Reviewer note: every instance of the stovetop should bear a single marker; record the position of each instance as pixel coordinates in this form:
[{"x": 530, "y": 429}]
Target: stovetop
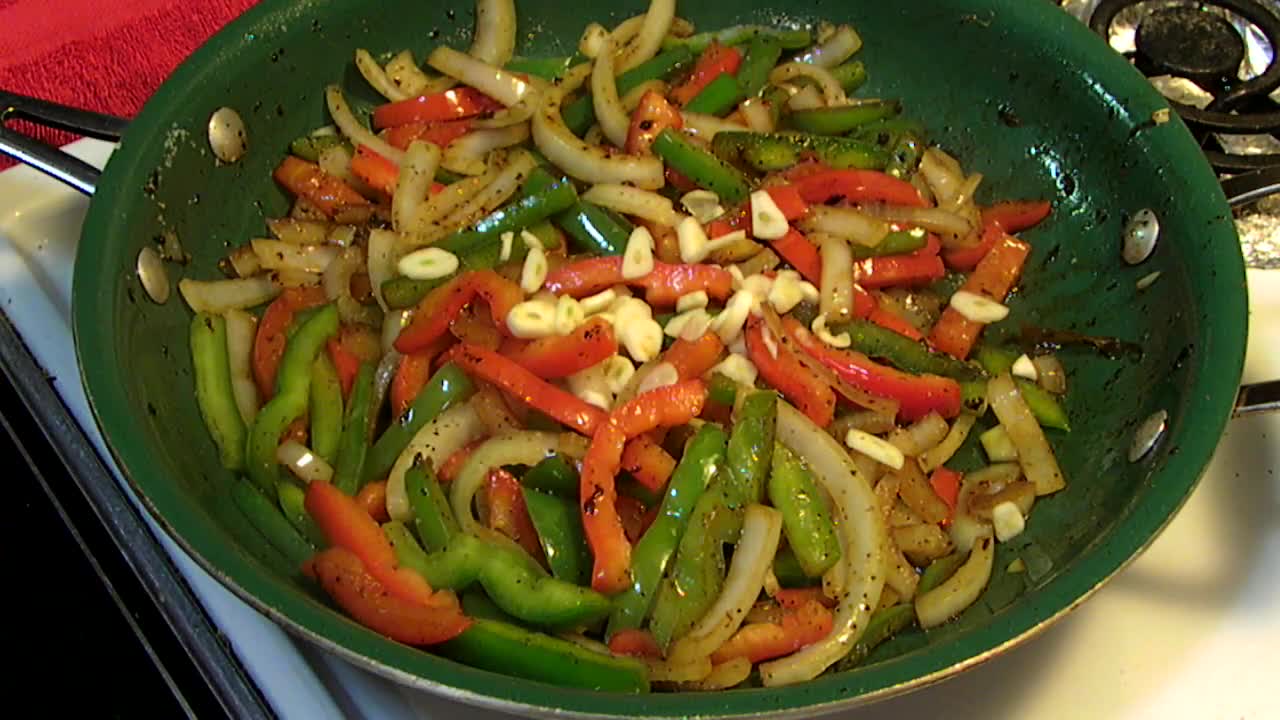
[{"x": 1187, "y": 631}]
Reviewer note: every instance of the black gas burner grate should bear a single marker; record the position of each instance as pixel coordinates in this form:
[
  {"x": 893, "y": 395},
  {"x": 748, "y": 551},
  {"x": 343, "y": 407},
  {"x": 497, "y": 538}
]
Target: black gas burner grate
[{"x": 1186, "y": 41}]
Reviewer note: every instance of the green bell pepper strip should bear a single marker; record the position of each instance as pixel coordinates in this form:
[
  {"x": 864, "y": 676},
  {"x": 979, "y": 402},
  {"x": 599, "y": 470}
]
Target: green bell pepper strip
[
  {"x": 551, "y": 68},
  {"x": 939, "y": 571},
  {"x": 697, "y": 574},
  {"x": 592, "y": 229},
  {"x": 432, "y": 518},
  {"x": 775, "y": 98},
  {"x": 558, "y": 523},
  {"x": 768, "y": 152},
  {"x": 475, "y": 604},
  {"x": 507, "y": 575},
  {"x": 883, "y": 624},
  {"x": 738, "y": 34},
  {"x": 722, "y": 390},
  {"x": 214, "y": 395},
  {"x": 515, "y": 217},
  {"x": 292, "y": 500},
  {"x": 762, "y": 55},
  {"x": 806, "y": 520},
  {"x": 701, "y": 167},
  {"x": 230, "y": 517},
  {"x": 897, "y": 242},
  {"x": 905, "y": 155},
  {"x": 325, "y": 408},
  {"x": 787, "y": 569},
  {"x": 353, "y": 446},
  {"x": 402, "y": 292},
  {"x": 719, "y": 96},
  {"x": 448, "y": 386},
  {"x": 293, "y": 389},
  {"x": 902, "y": 352},
  {"x": 268, "y": 520},
  {"x": 850, "y": 75},
  {"x": 751, "y": 445},
  {"x": 703, "y": 458},
  {"x": 1048, "y": 411},
  {"x": 310, "y": 147},
  {"x": 845, "y": 118},
  {"x": 995, "y": 360},
  {"x": 511, "y": 650},
  {"x": 579, "y": 114},
  {"x": 553, "y": 475}
]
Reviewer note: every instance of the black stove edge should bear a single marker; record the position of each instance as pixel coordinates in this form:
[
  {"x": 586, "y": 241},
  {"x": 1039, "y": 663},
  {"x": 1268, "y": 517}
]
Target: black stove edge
[{"x": 159, "y": 577}]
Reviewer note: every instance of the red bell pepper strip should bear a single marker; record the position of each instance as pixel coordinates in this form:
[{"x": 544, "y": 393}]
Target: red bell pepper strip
[
  {"x": 917, "y": 395},
  {"x": 375, "y": 170},
  {"x": 812, "y": 395},
  {"x": 455, "y": 104},
  {"x": 1014, "y": 216},
  {"x": 946, "y": 483},
  {"x": 715, "y": 61},
  {"x": 677, "y": 180},
  {"x": 864, "y": 303},
  {"x": 635, "y": 642},
  {"x": 994, "y": 277},
  {"x": 530, "y": 389},
  {"x": 633, "y": 515},
  {"x": 438, "y": 309},
  {"x": 358, "y": 592},
  {"x": 272, "y": 334},
  {"x": 794, "y": 598},
  {"x": 790, "y": 201},
  {"x": 306, "y": 180},
  {"x": 662, "y": 407},
  {"x": 507, "y": 512},
  {"x": 561, "y": 356},
  {"x": 452, "y": 465},
  {"x": 764, "y": 641},
  {"x": 663, "y": 286},
  {"x": 647, "y": 462},
  {"x": 857, "y": 186},
  {"x": 890, "y": 320},
  {"x": 346, "y": 524},
  {"x": 373, "y": 498},
  {"x": 735, "y": 218},
  {"x": 965, "y": 259},
  {"x": 653, "y": 115},
  {"x": 916, "y": 268},
  {"x": 411, "y": 376},
  {"x": 693, "y": 358},
  {"x": 354, "y": 344},
  {"x": 800, "y": 254},
  {"x": 438, "y": 133}
]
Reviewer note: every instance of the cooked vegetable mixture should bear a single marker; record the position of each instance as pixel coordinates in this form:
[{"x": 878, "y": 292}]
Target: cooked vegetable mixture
[{"x": 637, "y": 369}]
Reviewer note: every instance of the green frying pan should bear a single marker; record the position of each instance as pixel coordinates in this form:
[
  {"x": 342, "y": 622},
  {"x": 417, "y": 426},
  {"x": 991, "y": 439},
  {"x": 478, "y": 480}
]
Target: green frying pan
[{"x": 1017, "y": 90}]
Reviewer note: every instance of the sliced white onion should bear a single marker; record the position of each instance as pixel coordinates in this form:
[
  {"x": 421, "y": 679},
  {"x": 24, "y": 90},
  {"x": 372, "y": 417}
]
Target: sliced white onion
[
  {"x": 752, "y": 557},
  {"x": 704, "y": 126},
  {"x": 832, "y": 93},
  {"x": 505, "y": 184},
  {"x": 519, "y": 448},
  {"x": 808, "y": 97},
  {"x": 961, "y": 589},
  {"x": 392, "y": 323},
  {"x": 727, "y": 674},
  {"x": 505, "y": 87},
  {"x": 835, "y": 299},
  {"x": 465, "y": 155},
  {"x": 495, "y": 38},
  {"x": 219, "y": 296},
  {"x": 1034, "y": 454},
  {"x": 757, "y": 114},
  {"x": 935, "y": 219},
  {"x": 842, "y": 44},
  {"x": 657, "y": 23},
  {"x": 610, "y": 115},
  {"x": 276, "y": 255},
  {"x": 590, "y": 163},
  {"x": 241, "y": 329},
  {"x": 404, "y": 73},
  {"x": 449, "y": 432},
  {"x": 845, "y": 222},
  {"x": 1050, "y": 373},
  {"x": 634, "y": 201},
  {"x": 381, "y": 261},
  {"x": 862, "y": 535},
  {"x": 679, "y": 671},
  {"x": 632, "y": 99},
  {"x": 305, "y": 464},
  {"x": 425, "y": 222},
  {"x": 355, "y": 130},
  {"x": 943, "y": 174},
  {"x": 934, "y": 458},
  {"x": 377, "y": 77},
  {"x": 337, "y": 287},
  {"x": 299, "y": 232},
  {"x": 417, "y": 172}
]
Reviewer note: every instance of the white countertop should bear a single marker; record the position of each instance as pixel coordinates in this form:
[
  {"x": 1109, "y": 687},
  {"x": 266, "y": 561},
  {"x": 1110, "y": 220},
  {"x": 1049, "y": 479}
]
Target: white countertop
[{"x": 1189, "y": 630}]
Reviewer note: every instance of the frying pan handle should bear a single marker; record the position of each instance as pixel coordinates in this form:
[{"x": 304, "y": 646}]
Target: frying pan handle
[
  {"x": 1255, "y": 185},
  {"x": 53, "y": 161}
]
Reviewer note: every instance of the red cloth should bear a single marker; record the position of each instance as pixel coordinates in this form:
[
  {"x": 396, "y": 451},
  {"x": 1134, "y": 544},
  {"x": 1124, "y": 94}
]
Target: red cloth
[{"x": 108, "y": 56}]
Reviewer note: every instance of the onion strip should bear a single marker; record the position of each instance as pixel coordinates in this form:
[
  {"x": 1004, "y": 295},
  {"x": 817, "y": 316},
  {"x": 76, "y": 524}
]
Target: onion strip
[
  {"x": 519, "y": 448},
  {"x": 707, "y": 126},
  {"x": 752, "y": 557},
  {"x": 304, "y": 463},
  {"x": 835, "y": 296},
  {"x": 413, "y": 185},
  {"x": 604, "y": 92},
  {"x": 449, "y": 432},
  {"x": 377, "y": 77},
  {"x": 590, "y": 163},
  {"x": 465, "y": 155},
  {"x": 404, "y": 73},
  {"x": 842, "y": 44},
  {"x": 848, "y": 223},
  {"x": 657, "y": 23},
  {"x": 505, "y": 87},
  {"x": 353, "y": 129},
  {"x": 862, "y": 535},
  {"x": 832, "y": 93},
  {"x": 634, "y": 201},
  {"x": 1034, "y": 454},
  {"x": 495, "y": 38},
  {"x": 241, "y": 329},
  {"x": 219, "y": 296},
  {"x": 933, "y": 458},
  {"x": 381, "y": 261},
  {"x": 337, "y": 287},
  {"x": 278, "y": 255},
  {"x": 961, "y": 589}
]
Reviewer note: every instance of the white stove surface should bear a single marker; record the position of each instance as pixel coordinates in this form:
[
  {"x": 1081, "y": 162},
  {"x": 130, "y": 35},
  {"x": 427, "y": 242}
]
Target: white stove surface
[{"x": 1189, "y": 630}]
